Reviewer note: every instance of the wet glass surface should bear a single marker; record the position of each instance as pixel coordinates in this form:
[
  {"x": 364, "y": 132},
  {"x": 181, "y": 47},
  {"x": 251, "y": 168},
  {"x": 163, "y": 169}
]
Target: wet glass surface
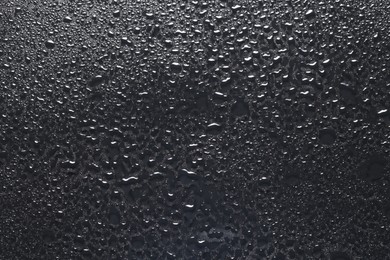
[{"x": 153, "y": 129}]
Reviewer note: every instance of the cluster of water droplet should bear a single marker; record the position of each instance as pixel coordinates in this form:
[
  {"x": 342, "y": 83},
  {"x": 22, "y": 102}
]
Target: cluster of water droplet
[{"x": 206, "y": 129}]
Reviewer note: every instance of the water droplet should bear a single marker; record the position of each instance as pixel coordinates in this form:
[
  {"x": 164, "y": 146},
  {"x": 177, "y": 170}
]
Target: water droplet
[
  {"x": 67, "y": 19},
  {"x": 49, "y": 44},
  {"x": 214, "y": 128},
  {"x": 310, "y": 14},
  {"x": 116, "y": 13}
]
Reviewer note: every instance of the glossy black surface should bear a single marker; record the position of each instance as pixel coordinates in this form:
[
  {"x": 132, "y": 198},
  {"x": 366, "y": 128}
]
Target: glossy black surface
[{"x": 196, "y": 129}]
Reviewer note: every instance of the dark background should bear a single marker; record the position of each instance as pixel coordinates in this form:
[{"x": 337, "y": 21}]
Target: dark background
[{"x": 194, "y": 129}]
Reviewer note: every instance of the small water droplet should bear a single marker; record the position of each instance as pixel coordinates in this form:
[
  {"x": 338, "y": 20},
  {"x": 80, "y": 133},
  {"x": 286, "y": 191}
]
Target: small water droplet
[{"x": 49, "y": 44}]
